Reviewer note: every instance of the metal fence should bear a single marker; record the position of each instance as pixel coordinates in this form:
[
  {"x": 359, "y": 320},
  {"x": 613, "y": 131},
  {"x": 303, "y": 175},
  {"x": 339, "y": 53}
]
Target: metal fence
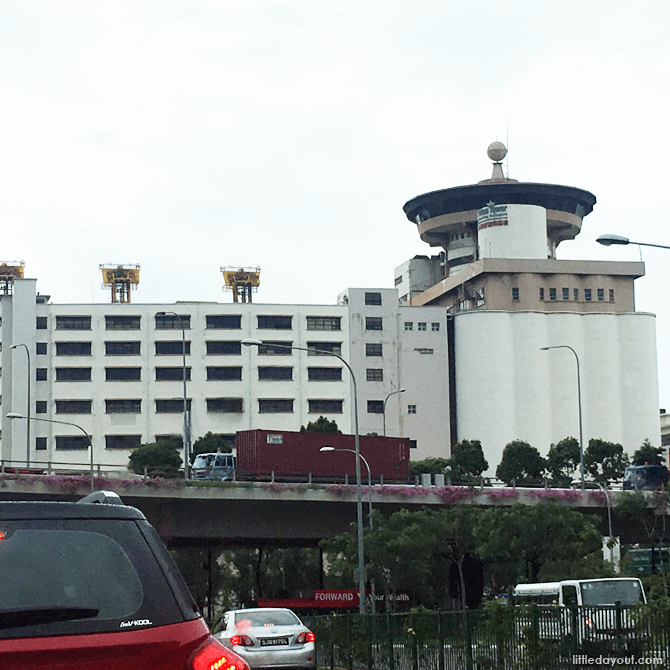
[{"x": 500, "y": 638}]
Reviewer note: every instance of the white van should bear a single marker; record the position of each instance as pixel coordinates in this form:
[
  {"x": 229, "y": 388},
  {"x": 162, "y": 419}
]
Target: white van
[{"x": 599, "y": 608}]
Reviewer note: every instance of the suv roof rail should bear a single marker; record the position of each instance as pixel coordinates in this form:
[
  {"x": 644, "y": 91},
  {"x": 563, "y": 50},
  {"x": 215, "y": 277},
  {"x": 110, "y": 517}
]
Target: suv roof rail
[{"x": 102, "y": 497}]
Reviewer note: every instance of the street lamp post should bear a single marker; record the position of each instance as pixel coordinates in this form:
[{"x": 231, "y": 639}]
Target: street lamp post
[
  {"x": 609, "y": 240},
  {"x": 614, "y": 559},
  {"x": 367, "y": 465},
  {"x": 579, "y": 401},
  {"x": 248, "y": 342},
  {"x": 15, "y": 346},
  {"x": 384, "y": 408},
  {"x": 186, "y": 428},
  {"x": 16, "y": 415}
]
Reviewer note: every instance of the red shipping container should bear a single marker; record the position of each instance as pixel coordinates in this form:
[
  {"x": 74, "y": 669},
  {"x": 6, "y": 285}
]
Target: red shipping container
[{"x": 286, "y": 453}]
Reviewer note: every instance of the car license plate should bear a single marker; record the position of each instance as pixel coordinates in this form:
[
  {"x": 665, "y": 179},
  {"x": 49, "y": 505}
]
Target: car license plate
[{"x": 273, "y": 641}]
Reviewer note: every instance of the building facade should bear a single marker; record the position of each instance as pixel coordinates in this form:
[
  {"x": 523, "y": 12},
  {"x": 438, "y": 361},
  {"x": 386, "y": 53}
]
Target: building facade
[{"x": 115, "y": 371}]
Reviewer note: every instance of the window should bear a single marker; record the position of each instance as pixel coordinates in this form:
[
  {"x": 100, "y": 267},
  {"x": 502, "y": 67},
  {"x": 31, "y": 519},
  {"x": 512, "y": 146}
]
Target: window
[
  {"x": 323, "y": 323},
  {"x": 515, "y": 293},
  {"x": 272, "y": 322},
  {"x": 411, "y": 409},
  {"x": 566, "y": 293},
  {"x": 73, "y": 374},
  {"x": 224, "y": 347},
  {"x": 324, "y": 374},
  {"x": 73, "y": 323},
  {"x": 123, "y": 374},
  {"x": 225, "y": 405},
  {"x": 587, "y": 294},
  {"x": 373, "y": 323},
  {"x": 122, "y": 322},
  {"x": 435, "y": 327},
  {"x": 601, "y": 294},
  {"x": 374, "y": 375},
  {"x": 172, "y": 374},
  {"x": 330, "y": 347},
  {"x": 409, "y": 325},
  {"x": 373, "y": 349},
  {"x": 227, "y": 373},
  {"x": 275, "y": 373},
  {"x": 224, "y": 321},
  {"x": 373, "y": 298},
  {"x": 124, "y": 406},
  {"x": 375, "y": 406},
  {"x": 122, "y": 441},
  {"x": 40, "y": 407},
  {"x": 421, "y": 325},
  {"x": 172, "y": 406},
  {"x": 73, "y": 348},
  {"x": 71, "y": 442},
  {"x": 122, "y": 348},
  {"x": 172, "y": 322},
  {"x": 325, "y": 406},
  {"x": 73, "y": 406},
  {"x": 172, "y": 348},
  {"x": 552, "y": 294},
  {"x": 541, "y": 293},
  {"x": 41, "y": 348},
  {"x": 275, "y": 348},
  {"x": 275, "y": 405},
  {"x": 40, "y": 374},
  {"x": 412, "y": 444},
  {"x": 41, "y": 323},
  {"x": 398, "y": 280},
  {"x": 611, "y": 295},
  {"x": 575, "y": 294},
  {"x": 403, "y": 298},
  {"x": 41, "y": 443}
]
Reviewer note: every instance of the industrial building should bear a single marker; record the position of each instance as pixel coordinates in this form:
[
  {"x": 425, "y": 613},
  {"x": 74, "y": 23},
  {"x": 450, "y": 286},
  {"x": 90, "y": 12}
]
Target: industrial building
[{"x": 493, "y": 338}]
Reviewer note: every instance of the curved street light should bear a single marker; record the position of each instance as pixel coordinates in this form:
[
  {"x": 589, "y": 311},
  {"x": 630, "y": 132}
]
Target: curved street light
[
  {"x": 249, "y": 342},
  {"x": 579, "y": 401},
  {"x": 384, "y": 408},
  {"x": 186, "y": 429},
  {"x": 16, "y": 415},
  {"x": 16, "y": 346},
  {"x": 608, "y": 240}
]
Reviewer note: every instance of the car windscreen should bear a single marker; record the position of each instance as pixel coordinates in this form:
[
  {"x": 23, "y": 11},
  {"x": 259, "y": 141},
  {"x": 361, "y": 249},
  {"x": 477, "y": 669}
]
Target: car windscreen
[
  {"x": 609, "y": 591},
  {"x": 79, "y": 576},
  {"x": 267, "y": 618},
  {"x": 203, "y": 460}
]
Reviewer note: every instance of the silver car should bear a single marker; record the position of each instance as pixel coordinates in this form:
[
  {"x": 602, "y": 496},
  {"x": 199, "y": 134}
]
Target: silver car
[{"x": 268, "y": 637}]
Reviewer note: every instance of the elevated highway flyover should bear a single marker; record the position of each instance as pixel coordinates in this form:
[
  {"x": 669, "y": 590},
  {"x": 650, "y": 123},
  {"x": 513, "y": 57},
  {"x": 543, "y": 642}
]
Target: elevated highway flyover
[{"x": 257, "y": 514}]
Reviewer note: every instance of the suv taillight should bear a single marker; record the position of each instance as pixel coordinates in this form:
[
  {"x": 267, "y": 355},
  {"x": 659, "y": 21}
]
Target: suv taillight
[
  {"x": 241, "y": 641},
  {"x": 304, "y": 638},
  {"x": 212, "y": 655}
]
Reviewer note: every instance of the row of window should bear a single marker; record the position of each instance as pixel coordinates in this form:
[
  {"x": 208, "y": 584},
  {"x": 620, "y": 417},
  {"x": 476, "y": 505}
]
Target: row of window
[
  {"x": 183, "y": 322},
  {"x": 224, "y": 405},
  {"x": 567, "y": 294},
  {"x": 421, "y": 325},
  {"x": 214, "y": 373},
  {"x": 176, "y": 347}
]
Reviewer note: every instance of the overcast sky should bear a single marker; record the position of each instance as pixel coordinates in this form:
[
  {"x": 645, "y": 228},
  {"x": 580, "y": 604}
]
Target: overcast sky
[{"x": 288, "y": 134}]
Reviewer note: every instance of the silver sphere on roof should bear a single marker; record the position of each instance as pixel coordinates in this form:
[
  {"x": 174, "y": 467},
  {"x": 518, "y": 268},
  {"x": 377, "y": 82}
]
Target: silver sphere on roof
[{"x": 497, "y": 151}]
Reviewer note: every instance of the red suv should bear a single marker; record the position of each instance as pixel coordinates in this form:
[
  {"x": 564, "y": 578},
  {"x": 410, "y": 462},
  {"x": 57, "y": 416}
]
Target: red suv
[{"x": 87, "y": 586}]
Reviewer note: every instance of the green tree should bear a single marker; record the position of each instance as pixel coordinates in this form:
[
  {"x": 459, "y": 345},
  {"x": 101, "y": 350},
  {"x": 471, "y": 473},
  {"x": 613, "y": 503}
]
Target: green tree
[
  {"x": 562, "y": 461},
  {"x": 209, "y": 444},
  {"x": 321, "y": 425},
  {"x": 605, "y": 461},
  {"x": 521, "y": 464},
  {"x": 157, "y": 459},
  {"x": 467, "y": 462},
  {"x": 647, "y": 454},
  {"x": 543, "y": 542}
]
